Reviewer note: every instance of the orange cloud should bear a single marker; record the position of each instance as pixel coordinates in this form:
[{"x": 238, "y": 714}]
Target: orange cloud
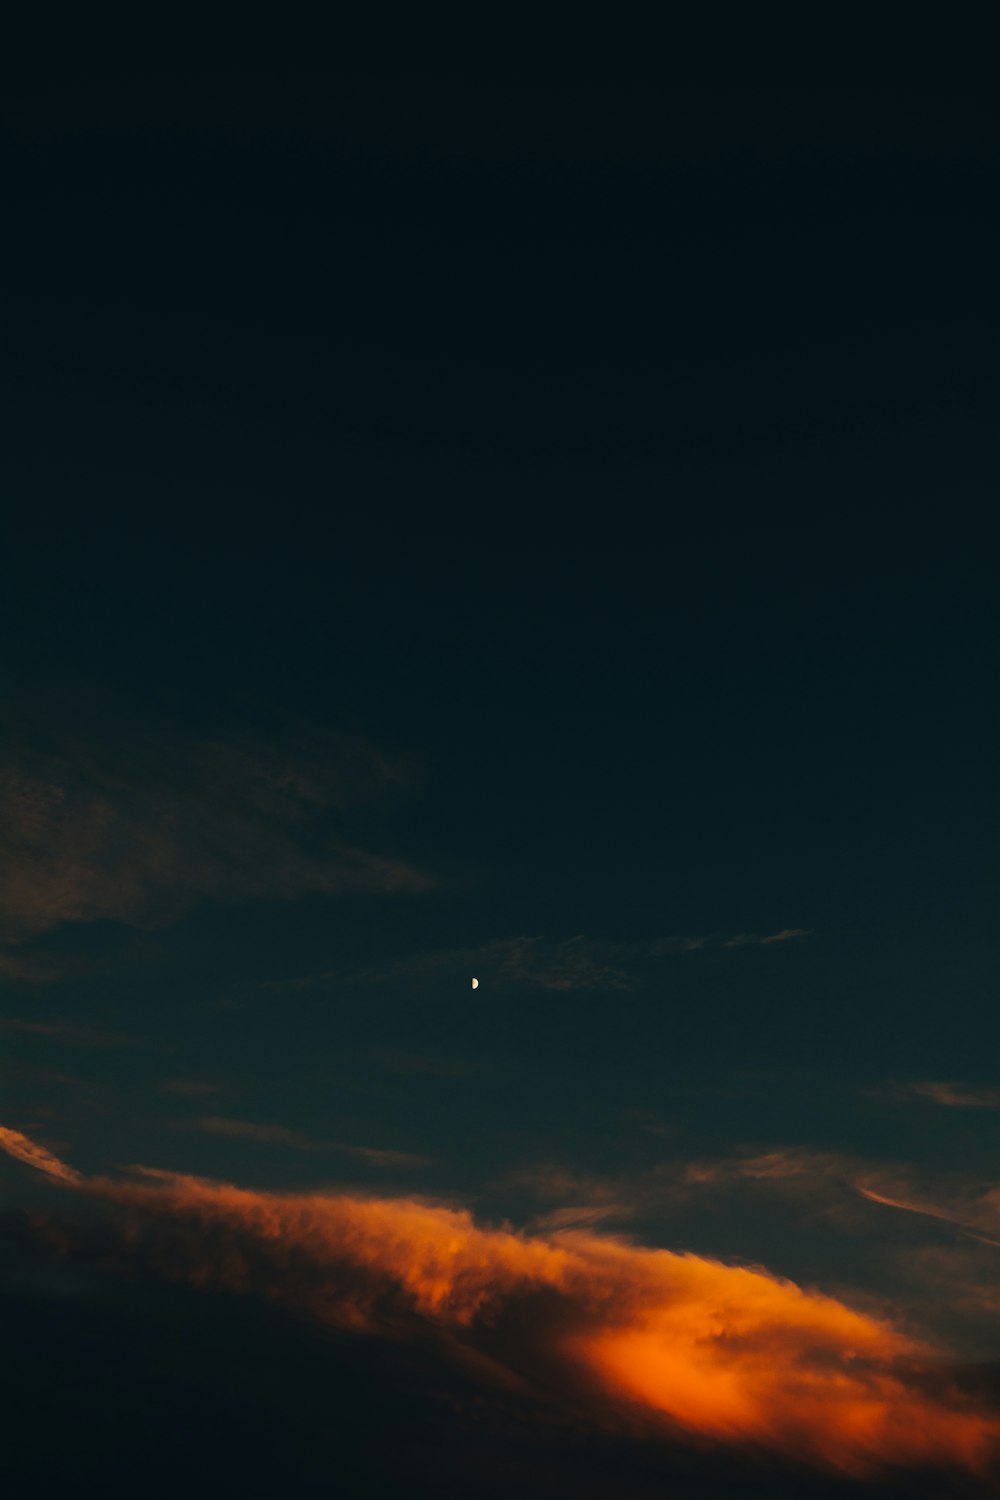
[
  {"x": 24, "y": 1149},
  {"x": 728, "y": 1352}
]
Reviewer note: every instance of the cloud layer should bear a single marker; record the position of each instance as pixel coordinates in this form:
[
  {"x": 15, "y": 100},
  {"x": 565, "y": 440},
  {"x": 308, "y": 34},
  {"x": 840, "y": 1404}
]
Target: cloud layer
[
  {"x": 130, "y": 828},
  {"x": 576, "y": 963},
  {"x": 730, "y": 1353}
]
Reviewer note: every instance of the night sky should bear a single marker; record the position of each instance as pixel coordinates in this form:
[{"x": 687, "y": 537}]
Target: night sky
[{"x": 532, "y": 526}]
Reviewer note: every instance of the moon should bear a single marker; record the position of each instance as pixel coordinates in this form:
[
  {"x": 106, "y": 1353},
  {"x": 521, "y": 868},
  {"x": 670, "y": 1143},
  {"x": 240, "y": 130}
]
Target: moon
[{"x": 475, "y": 984}]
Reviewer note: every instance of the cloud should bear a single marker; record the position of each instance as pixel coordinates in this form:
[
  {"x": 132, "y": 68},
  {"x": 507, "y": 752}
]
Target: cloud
[
  {"x": 962, "y": 1276},
  {"x": 575, "y": 963},
  {"x": 926, "y": 1210},
  {"x": 827, "y": 1185},
  {"x": 578, "y": 1199},
  {"x": 429, "y": 1064},
  {"x": 69, "y": 1033},
  {"x": 976, "y": 1214},
  {"x": 829, "y": 1180},
  {"x": 135, "y": 828},
  {"x": 376, "y": 1156},
  {"x": 568, "y": 964},
  {"x": 785, "y": 935},
  {"x": 33, "y": 968},
  {"x": 190, "y": 1087},
  {"x": 602, "y": 1327},
  {"x": 792, "y": 1164},
  {"x": 951, "y": 1095},
  {"x": 21, "y": 1148},
  {"x": 247, "y": 1130},
  {"x": 580, "y": 1216},
  {"x": 282, "y": 1135}
]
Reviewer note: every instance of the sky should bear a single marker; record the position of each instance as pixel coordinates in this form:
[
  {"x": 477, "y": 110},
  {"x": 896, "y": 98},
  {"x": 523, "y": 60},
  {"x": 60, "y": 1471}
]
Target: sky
[{"x": 531, "y": 526}]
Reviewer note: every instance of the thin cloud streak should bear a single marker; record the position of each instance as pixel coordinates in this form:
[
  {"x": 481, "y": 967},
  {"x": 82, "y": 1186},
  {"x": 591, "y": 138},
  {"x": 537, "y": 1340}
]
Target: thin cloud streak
[
  {"x": 283, "y": 1135},
  {"x": 248, "y": 1130},
  {"x": 427, "y": 1064},
  {"x": 955, "y": 1095},
  {"x": 744, "y": 939},
  {"x": 69, "y": 1033},
  {"x": 23, "y": 1149},
  {"x": 932, "y": 1211},
  {"x": 567, "y": 965}
]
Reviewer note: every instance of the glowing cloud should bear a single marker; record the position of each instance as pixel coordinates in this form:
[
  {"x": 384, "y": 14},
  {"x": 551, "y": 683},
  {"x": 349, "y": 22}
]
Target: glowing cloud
[
  {"x": 23, "y": 1149},
  {"x": 729, "y": 1352}
]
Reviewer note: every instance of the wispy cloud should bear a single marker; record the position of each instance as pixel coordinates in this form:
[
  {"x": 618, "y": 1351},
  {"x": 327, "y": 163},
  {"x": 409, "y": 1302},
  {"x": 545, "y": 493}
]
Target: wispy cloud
[
  {"x": 136, "y": 828},
  {"x": 950, "y": 1094},
  {"x": 249, "y": 1130},
  {"x": 428, "y": 1064},
  {"x": 376, "y": 1156},
  {"x": 579, "y": 1216},
  {"x": 831, "y": 1188},
  {"x": 732, "y": 1353},
  {"x": 576, "y": 1200},
  {"x": 976, "y": 1214},
  {"x": 743, "y": 939},
  {"x": 22, "y": 1148},
  {"x": 189, "y": 1087},
  {"x": 821, "y": 1182},
  {"x": 29, "y": 967},
  {"x": 283, "y": 1135},
  {"x": 824, "y": 1179},
  {"x": 69, "y": 1033},
  {"x": 571, "y": 964},
  {"x": 961, "y": 1276},
  {"x": 556, "y": 964}
]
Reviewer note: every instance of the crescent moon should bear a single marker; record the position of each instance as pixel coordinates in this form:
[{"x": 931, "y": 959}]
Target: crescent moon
[{"x": 475, "y": 984}]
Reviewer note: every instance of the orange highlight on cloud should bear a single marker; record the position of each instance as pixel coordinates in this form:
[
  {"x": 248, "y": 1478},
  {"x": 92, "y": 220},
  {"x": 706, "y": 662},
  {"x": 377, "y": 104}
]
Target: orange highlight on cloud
[
  {"x": 22, "y": 1148},
  {"x": 727, "y": 1352},
  {"x": 723, "y": 1351}
]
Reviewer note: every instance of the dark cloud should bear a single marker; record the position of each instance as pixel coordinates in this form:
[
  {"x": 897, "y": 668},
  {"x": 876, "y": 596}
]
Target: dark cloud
[
  {"x": 191, "y": 1087},
  {"x": 69, "y": 1033},
  {"x": 833, "y": 1180},
  {"x": 135, "y": 827},
  {"x": 32, "y": 968},
  {"x": 568, "y": 964},
  {"x": 282, "y": 1135},
  {"x": 948, "y": 1093},
  {"x": 742, "y": 939},
  {"x": 428, "y": 1064},
  {"x": 248, "y": 1130}
]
